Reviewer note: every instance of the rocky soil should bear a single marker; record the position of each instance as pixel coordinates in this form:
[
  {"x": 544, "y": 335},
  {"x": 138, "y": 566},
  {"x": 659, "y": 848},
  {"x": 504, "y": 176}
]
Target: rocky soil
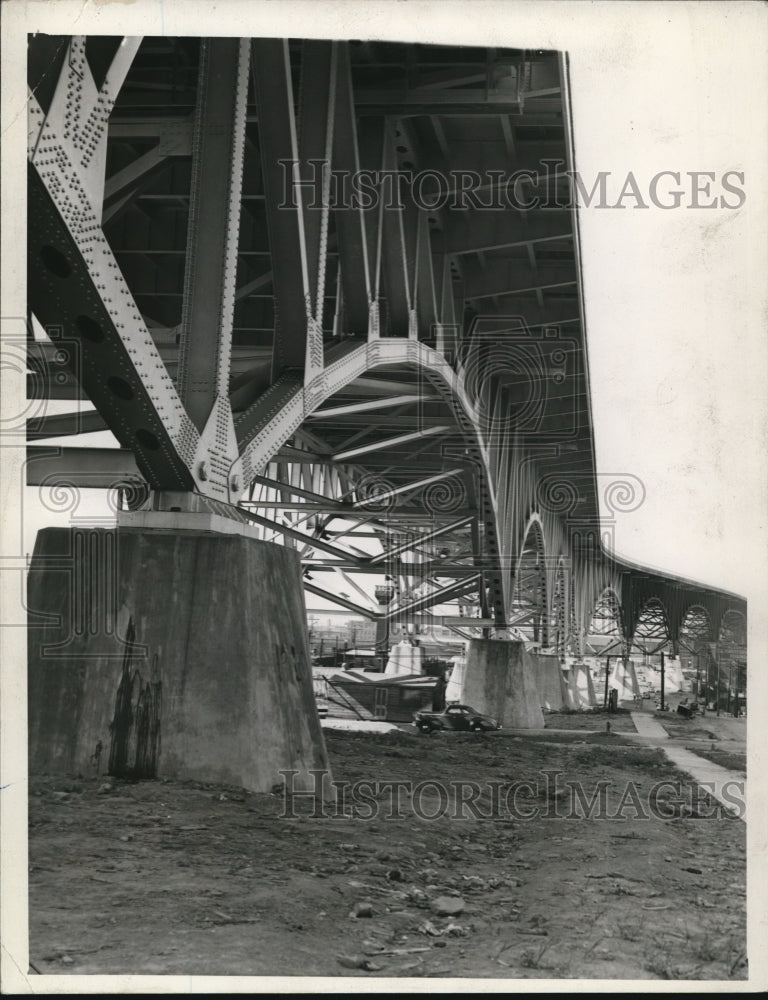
[{"x": 186, "y": 878}]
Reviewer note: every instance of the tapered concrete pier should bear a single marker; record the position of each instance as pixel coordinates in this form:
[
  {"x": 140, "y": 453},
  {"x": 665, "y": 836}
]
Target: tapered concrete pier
[
  {"x": 170, "y": 653},
  {"x": 499, "y": 681},
  {"x": 550, "y": 683}
]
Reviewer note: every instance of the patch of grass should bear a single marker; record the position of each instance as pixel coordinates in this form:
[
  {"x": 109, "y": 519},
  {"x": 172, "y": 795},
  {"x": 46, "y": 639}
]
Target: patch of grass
[
  {"x": 591, "y": 718},
  {"x": 725, "y": 758},
  {"x": 619, "y": 756}
]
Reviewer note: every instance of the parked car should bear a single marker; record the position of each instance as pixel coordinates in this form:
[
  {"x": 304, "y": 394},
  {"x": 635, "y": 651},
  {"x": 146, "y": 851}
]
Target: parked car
[{"x": 458, "y": 717}]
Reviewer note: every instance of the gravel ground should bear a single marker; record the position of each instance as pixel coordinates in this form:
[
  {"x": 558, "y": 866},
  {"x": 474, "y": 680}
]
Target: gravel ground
[{"x": 187, "y": 878}]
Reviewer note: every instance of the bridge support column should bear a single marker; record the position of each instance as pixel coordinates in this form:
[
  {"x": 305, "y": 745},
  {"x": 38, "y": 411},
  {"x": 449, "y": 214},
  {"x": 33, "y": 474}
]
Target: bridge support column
[
  {"x": 624, "y": 679},
  {"x": 499, "y": 681},
  {"x": 582, "y": 689},
  {"x": 550, "y": 683},
  {"x": 159, "y": 652}
]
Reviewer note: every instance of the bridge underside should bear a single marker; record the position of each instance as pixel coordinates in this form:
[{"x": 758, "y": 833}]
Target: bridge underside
[{"x": 326, "y": 295}]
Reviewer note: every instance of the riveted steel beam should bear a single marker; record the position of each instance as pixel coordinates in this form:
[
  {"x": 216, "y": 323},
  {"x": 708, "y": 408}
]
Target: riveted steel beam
[
  {"x": 64, "y": 424},
  {"x": 437, "y": 568},
  {"x": 439, "y": 596},
  {"x": 357, "y": 290},
  {"x": 297, "y": 337},
  {"x": 401, "y": 439},
  {"x": 301, "y": 536},
  {"x": 426, "y": 294},
  {"x": 398, "y": 248},
  {"x": 306, "y": 508},
  {"x": 76, "y": 289},
  {"x": 316, "y": 128},
  {"x": 212, "y": 239},
  {"x": 292, "y": 490},
  {"x": 371, "y": 135},
  {"x": 353, "y": 409},
  {"x": 408, "y": 490},
  {"x": 342, "y": 602},
  {"x": 92, "y": 468},
  {"x": 421, "y": 539}
]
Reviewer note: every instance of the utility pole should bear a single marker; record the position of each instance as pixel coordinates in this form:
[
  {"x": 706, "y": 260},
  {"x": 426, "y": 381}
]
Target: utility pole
[
  {"x": 607, "y": 671},
  {"x": 717, "y": 689},
  {"x": 662, "y": 680},
  {"x": 698, "y": 677}
]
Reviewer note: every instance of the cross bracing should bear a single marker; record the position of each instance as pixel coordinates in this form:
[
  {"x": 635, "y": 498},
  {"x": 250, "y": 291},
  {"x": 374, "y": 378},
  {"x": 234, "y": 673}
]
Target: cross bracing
[{"x": 393, "y": 382}]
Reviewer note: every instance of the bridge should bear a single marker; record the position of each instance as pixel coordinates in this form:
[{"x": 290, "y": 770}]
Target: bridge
[{"x": 326, "y": 298}]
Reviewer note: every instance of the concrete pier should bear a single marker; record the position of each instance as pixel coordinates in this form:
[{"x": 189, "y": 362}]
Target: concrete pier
[
  {"x": 164, "y": 653},
  {"x": 624, "y": 680},
  {"x": 404, "y": 659},
  {"x": 582, "y": 690},
  {"x": 455, "y": 684},
  {"x": 550, "y": 683},
  {"x": 499, "y": 681}
]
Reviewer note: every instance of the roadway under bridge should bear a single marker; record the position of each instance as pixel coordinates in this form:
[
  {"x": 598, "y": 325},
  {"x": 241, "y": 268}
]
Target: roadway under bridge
[{"x": 326, "y": 297}]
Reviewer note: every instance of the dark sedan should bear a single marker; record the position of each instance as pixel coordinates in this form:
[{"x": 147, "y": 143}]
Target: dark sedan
[{"x": 457, "y": 717}]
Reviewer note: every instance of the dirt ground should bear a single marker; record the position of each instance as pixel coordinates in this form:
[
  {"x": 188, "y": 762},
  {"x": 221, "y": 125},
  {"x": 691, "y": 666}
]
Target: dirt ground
[{"x": 185, "y": 878}]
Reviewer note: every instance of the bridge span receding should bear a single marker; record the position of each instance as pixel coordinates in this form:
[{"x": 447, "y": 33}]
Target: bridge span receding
[{"x": 325, "y": 300}]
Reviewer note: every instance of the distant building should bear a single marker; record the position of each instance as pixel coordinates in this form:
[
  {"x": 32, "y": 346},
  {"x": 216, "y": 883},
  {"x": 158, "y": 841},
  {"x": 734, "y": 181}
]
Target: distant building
[
  {"x": 325, "y": 638},
  {"x": 361, "y": 632}
]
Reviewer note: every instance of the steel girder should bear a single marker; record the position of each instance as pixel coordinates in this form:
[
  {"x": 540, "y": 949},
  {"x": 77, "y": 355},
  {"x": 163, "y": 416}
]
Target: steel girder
[{"x": 246, "y": 331}]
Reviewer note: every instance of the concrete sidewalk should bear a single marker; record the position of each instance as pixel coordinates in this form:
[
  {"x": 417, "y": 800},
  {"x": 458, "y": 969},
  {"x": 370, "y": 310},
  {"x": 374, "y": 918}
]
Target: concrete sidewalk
[{"x": 728, "y": 787}]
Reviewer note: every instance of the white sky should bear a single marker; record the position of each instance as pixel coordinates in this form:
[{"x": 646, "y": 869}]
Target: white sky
[{"x": 675, "y": 300}]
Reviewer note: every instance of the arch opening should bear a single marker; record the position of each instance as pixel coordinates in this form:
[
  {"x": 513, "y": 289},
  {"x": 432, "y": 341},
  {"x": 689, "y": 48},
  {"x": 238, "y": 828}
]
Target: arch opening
[
  {"x": 658, "y": 668},
  {"x": 695, "y": 644},
  {"x": 377, "y": 492},
  {"x": 727, "y": 674},
  {"x": 651, "y": 635},
  {"x": 604, "y": 640},
  {"x": 605, "y": 631}
]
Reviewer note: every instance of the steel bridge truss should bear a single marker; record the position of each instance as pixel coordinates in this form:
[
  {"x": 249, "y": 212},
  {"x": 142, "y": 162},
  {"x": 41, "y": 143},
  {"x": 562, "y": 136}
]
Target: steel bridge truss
[{"x": 333, "y": 289}]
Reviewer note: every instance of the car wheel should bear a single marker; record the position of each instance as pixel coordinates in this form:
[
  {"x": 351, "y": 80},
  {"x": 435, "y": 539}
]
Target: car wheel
[
  {"x": 476, "y": 727},
  {"x": 425, "y": 727}
]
